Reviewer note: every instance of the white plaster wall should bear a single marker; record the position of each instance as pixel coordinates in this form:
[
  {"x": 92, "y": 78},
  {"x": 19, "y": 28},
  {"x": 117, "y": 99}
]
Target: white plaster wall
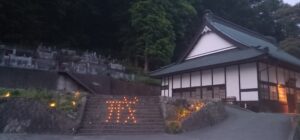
[
  {"x": 209, "y": 42},
  {"x": 286, "y": 75},
  {"x": 164, "y": 81},
  {"x": 272, "y": 74},
  {"x": 263, "y": 72},
  {"x": 280, "y": 73},
  {"x": 248, "y": 73},
  {"x": 164, "y": 92},
  {"x": 196, "y": 79},
  {"x": 219, "y": 76},
  {"x": 176, "y": 81},
  {"x": 232, "y": 82},
  {"x": 298, "y": 80},
  {"x": 206, "y": 78},
  {"x": 185, "y": 80},
  {"x": 249, "y": 96},
  {"x": 170, "y": 87},
  {"x": 292, "y": 74}
]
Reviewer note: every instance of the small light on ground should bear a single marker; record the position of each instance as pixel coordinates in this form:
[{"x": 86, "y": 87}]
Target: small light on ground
[
  {"x": 52, "y": 104},
  {"x": 73, "y": 103},
  {"x": 7, "y": 95}
]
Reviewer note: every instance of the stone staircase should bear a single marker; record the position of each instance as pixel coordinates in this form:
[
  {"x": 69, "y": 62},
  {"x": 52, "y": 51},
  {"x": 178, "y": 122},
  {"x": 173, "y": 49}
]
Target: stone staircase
[{"x": 113, "y": 115}]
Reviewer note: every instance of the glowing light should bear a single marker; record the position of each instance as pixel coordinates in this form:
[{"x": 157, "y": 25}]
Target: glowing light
[
  {"x": 7, "y": 95},
  {"x": 52, "y": 104},
  {"x": 73, "y": 103},
  {"x": 282, "y": 94},
  {"x": 77, "y": 95},
  {"x": 116, "y": 108}
]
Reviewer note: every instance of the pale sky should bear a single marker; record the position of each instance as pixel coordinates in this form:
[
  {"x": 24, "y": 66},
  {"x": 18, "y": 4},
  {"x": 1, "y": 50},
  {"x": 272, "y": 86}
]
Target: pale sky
[{"x": 291, "y": 2}]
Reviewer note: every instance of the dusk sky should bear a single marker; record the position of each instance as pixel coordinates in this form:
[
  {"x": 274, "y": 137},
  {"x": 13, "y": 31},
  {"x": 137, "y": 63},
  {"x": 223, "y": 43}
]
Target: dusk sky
[{"x": 291, "y": 2}]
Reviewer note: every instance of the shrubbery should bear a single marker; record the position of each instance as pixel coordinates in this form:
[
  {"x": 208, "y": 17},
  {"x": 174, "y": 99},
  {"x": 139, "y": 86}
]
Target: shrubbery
[
  {"x": 173, "y": 127},
  {"x": 179, "y": 110},
  {"x": 67, "y": 102}
]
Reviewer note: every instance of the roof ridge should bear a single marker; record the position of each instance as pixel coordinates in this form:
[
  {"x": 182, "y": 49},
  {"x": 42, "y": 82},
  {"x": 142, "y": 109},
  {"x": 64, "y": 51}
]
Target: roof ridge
[{"x": 212, "y": 17}]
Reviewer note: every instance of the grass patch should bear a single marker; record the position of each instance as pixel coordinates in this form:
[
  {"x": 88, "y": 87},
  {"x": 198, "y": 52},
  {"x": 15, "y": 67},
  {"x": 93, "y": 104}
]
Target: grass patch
[
  {"x": 67, "y": 102},
  {"x": 147, "y": 80}
]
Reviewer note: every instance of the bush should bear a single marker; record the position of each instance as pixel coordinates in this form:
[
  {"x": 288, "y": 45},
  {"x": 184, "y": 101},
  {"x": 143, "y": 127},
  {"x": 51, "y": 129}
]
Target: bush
[
  {"x": 64, "y": 101},
  {"x": 173, "y": 127},
  {"x": 181, "y": 103},
  {"x": 147, "y": 80}
]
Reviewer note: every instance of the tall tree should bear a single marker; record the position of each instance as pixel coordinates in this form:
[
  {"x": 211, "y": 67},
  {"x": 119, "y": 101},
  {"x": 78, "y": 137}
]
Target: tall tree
[
  {"x": 289, "y": 17},
  {"x": 155, "y": 32}
]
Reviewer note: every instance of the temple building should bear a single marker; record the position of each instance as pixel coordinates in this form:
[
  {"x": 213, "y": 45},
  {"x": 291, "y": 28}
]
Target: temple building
[{"x": 226, "y": 61}]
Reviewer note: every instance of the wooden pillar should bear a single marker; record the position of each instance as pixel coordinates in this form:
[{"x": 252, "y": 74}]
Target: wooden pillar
[
  {"x": 212, "y": 83},
  {"x": 181, "y": 94},
  {"x": 239, "y": 75},
  {"x": 190, "y": 84},
  {"x": 225, "y": 78},
  {"x": 201, "y": 90}
]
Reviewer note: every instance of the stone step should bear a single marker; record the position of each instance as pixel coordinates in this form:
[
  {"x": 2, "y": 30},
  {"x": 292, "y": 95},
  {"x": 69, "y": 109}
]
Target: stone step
[
  {"x": 142, "y": 101},
  {"x": 124, "y": 115},
  {"x": 142, "y": 122},
  {"x": 104, "y": 102},
  {"x": 104, "y": 110},
  {"x": 139, "y": 122},
  {"x": 148, "y": 116},
  {"x": 118, "y": 128},
  {"x": 144, "y": 108},
  {"x": 122, "y": 97},
  {"x": 118, "y": 131},
  {"x": 128, "y": 100},
  {"x": 138, "y": 103},
  {"x": 128, "y": 125}
]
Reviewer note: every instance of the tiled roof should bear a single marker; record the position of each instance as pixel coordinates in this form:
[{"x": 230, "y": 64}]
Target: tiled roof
[
  {"x": 231, "y": 56},
  {"x": 251, "y": 39},
  {"x": 254, "y": 45}
]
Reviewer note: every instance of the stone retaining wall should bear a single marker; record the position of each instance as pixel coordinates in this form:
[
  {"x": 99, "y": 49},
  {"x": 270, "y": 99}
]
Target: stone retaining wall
[
  {"x": 30, "y": 116},
  {"x": 212, "y": 113},
  {"x": 120, "y": 87}
]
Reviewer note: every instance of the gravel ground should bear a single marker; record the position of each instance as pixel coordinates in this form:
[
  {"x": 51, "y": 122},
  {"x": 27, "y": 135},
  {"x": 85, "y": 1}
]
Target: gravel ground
[{"x": 240, "y": 125}]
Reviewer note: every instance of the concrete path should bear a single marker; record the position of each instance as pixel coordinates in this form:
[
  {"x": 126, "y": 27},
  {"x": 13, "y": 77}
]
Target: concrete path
[{"x": 240, "y": 125}]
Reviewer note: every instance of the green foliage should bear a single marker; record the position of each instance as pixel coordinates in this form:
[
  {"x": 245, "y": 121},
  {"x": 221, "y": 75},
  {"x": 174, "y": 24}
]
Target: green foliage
[
  {"x": 291, "y": 45},
  {"x": 66, "y": 106},
  {"x": 144, "y": 32},
  {"x": 181, "y": 103},
  {"x": 41, "y": 95},
  {"x": 173, "y": 127},
  {"x": 64, "y": 101},
  {"x": 288, "y": 17},
  {"x": 147, "y": 80},
  {"x": 156, "y": 35}
]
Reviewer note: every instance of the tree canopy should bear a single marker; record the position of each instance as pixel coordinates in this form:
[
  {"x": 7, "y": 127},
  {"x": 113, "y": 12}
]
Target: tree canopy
[{"x": 144, "y": 32}]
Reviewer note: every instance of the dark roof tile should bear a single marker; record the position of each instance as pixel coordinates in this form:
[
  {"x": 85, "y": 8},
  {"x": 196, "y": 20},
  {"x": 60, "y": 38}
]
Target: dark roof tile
[{"x": 209, "y": 60}]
